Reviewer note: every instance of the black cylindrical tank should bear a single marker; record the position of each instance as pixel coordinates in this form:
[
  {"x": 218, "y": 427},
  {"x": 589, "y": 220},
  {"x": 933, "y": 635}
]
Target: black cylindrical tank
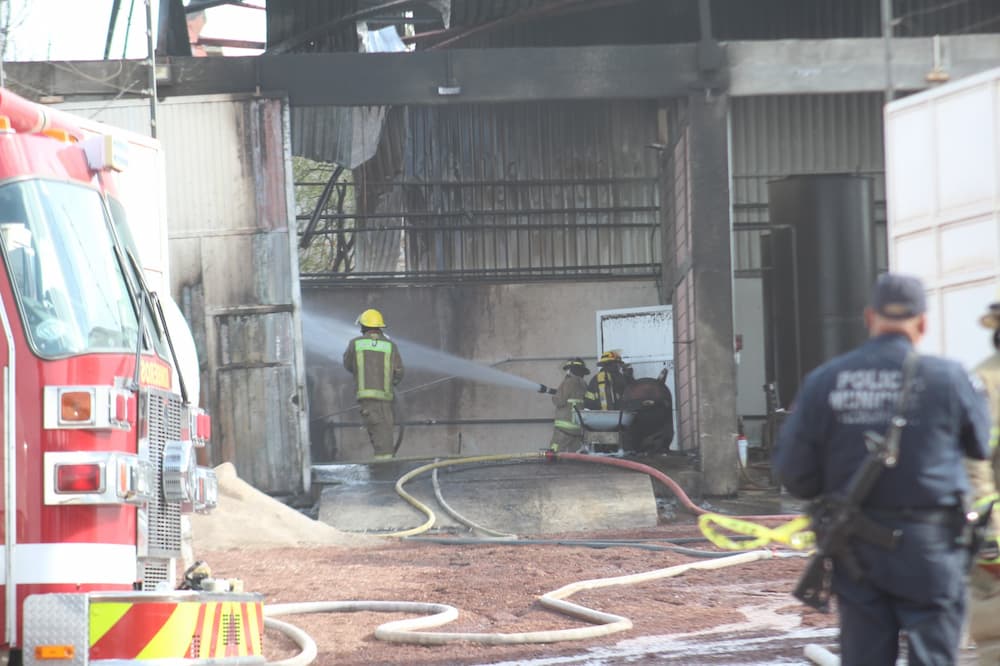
[{"x": 830, "y": 220}]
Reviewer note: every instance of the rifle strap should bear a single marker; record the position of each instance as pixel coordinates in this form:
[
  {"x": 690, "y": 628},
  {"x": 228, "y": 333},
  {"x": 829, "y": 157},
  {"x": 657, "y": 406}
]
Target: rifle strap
[
  {"x": 910, "y": 364},
  {"x": 898, "y": 420}
]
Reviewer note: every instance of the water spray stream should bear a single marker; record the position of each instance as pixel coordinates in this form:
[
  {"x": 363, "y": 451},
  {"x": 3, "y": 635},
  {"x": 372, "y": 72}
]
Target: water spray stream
[{"x": 329, "y": 337}]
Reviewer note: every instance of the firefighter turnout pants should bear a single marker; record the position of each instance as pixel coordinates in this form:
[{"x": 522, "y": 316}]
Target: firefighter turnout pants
[
  {"x": 984, "y": 615},
  {"x": 566, "y": 442},
  {"x": 378, "y": 419}
]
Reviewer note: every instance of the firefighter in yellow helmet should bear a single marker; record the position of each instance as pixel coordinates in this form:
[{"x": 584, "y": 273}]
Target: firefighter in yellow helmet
[
  {"x": 606, "y": 387},
  {"x": 377, "y": 367},
  {"x": 567, "y": 434},
  {"x": 984, "y": 476}
]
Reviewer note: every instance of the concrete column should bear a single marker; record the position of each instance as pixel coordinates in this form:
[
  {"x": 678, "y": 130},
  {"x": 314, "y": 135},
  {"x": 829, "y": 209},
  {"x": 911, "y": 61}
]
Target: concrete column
[{"x": 711, "y": 265}]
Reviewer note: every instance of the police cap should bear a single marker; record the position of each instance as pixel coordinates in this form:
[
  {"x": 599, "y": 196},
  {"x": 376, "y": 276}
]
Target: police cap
[{"x": 898, "y": 296}]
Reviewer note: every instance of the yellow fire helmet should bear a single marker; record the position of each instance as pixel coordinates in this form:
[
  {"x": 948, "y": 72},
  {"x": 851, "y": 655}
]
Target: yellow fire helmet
[
  {"x": 371, "y": 319},
  {"x": 576, "y": 363},
  {"x": 609, "y": 357}
]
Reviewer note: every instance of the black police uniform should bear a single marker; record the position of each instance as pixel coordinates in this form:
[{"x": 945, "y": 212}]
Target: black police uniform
[{"x": 918, "y": 586}]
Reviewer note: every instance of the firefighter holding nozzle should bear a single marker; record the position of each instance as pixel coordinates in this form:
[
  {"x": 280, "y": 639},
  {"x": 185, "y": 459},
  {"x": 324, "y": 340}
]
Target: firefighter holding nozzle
[
  {"x": 878, "y": 437},
  {"x": 567, "y": 435},
  {"x": 377, "y": 367}
]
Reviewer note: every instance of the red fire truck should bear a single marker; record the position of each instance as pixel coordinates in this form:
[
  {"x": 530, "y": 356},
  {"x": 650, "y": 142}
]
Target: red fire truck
[{"x": 98, "y": 456}]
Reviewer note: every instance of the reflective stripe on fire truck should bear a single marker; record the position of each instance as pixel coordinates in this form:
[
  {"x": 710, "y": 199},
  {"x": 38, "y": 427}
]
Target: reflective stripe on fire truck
[
  {"x": 175, "y": 630},
  {"x": 72, "y": 564}
]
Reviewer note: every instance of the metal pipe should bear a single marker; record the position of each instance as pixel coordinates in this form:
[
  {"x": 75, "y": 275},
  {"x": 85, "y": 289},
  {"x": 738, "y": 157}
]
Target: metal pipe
[
  {"x": 575, "y": 227},
  {"x": 576, "y": 543},
  {"x": 151, "y": 47},
  {"x": 446, "y": 422},
  {"x": 115, "y": 8},
  {"x": 890, "y": 93},
  {"x": 321, "y": 203},
  {"x": 10, "y": 476},
  {"x": 533, "y": 271},
  {"x": 536, "y": 182},
  {"x": 5, "y": 26}
]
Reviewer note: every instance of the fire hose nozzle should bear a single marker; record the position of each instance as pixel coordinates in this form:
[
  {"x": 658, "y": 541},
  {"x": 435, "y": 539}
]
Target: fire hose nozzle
[{"x": 542, "y": 388}]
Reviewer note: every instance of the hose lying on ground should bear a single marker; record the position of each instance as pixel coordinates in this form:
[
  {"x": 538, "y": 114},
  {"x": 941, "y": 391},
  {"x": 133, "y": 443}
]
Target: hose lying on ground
[
  {"x": 307, "y": 646},
  {"x": 423, "y": 508},
  {"x": 582, "y": 543},
  {"x": 475, "y": 527},
  {"x": 790, "y": 535},
  {"x": 410, "y": 630}
]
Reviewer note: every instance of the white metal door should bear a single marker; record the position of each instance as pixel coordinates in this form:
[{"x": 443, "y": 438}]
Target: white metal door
[{"x": 644, "y": 336}]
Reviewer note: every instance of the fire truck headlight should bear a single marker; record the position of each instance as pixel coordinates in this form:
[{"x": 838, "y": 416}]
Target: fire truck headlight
[{"x": 179, "y": 471}]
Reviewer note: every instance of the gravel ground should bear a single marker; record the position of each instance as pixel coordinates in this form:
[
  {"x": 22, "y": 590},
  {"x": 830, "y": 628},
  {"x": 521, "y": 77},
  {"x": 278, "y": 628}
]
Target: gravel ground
[
  {"x": 738, "y": 614},
  {"x": 741, "y": 614}
]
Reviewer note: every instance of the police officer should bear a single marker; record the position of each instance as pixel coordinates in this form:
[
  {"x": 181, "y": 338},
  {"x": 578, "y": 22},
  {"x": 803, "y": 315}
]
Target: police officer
[
  {"x": 567, "y": 434},
  {"x": 375, "y": 362},
  {"x": 984, "y": 581},
  {"x": 918, "y": 586}
]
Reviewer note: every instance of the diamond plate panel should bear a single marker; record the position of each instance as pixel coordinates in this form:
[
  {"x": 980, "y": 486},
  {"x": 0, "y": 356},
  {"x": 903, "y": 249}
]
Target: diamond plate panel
[{"x": 56, "y": 619}]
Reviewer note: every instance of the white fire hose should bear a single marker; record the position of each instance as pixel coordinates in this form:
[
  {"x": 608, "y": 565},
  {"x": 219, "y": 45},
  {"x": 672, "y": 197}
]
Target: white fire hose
[{"x": 410, "y": 630}]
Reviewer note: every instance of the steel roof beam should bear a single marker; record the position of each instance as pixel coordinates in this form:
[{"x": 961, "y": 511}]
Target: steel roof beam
[{"x": 524, "y": 74}]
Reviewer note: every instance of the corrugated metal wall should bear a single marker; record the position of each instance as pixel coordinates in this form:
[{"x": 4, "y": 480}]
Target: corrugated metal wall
[
  {"x": 777, "y": 136},
  {"x": 228, "y": 164},
  {"x": 289, "y": 19},
  {"x": 503, "y": 191},
  {"x": 552, "y": 185},
  {"x": 232, "y": 273},
  {"x": 511, "y": 23}
]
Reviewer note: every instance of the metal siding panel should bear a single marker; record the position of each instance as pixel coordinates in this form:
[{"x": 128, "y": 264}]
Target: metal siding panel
[
  {"x": 132, "y": 115},
  {"x": 553, "y": 156},
  {"x": 267, "y": 150},
  {"x": 776, "y": 136},
  {"x": 208, "y": 154},
  {"x": 230, "y": 249},
  {"x": 224, "y": 271},
  {"x": 255, "y": 339}
]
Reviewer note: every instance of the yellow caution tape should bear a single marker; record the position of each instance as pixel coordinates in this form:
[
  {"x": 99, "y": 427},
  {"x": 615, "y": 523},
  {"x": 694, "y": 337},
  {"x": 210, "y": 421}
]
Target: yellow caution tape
[{"x": 794, "y": 534}]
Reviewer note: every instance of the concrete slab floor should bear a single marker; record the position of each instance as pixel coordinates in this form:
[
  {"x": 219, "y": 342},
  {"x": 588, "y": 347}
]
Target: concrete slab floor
[
  {"x": 508, "y": 497},
  {"x": 533, "y": 497}
]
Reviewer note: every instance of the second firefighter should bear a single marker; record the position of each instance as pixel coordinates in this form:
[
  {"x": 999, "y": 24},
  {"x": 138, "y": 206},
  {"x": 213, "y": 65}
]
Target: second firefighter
[{"x": 566, "y": 434}]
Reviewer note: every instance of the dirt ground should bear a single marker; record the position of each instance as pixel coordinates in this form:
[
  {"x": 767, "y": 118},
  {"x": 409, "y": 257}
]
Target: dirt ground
[
  {"x": 496, "y": 587},
  {"x": 741, "y": 614}
]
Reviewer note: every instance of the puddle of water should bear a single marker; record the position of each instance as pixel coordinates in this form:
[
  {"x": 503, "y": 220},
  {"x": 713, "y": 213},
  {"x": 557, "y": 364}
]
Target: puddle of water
[
  {"x": 707, "y": 647},
  {"x": 349, "y": 474}
]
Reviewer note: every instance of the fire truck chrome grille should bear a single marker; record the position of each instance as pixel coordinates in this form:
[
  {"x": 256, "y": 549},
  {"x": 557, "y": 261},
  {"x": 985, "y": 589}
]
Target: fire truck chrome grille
[
  {"x": 154, "y": 573},
  {"x": 164, "y": 518}
]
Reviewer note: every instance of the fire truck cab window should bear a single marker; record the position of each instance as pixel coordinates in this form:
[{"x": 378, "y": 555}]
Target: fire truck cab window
[
  {"x": 118, "y": 216},
  {"x": 60, "y": 257}
]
